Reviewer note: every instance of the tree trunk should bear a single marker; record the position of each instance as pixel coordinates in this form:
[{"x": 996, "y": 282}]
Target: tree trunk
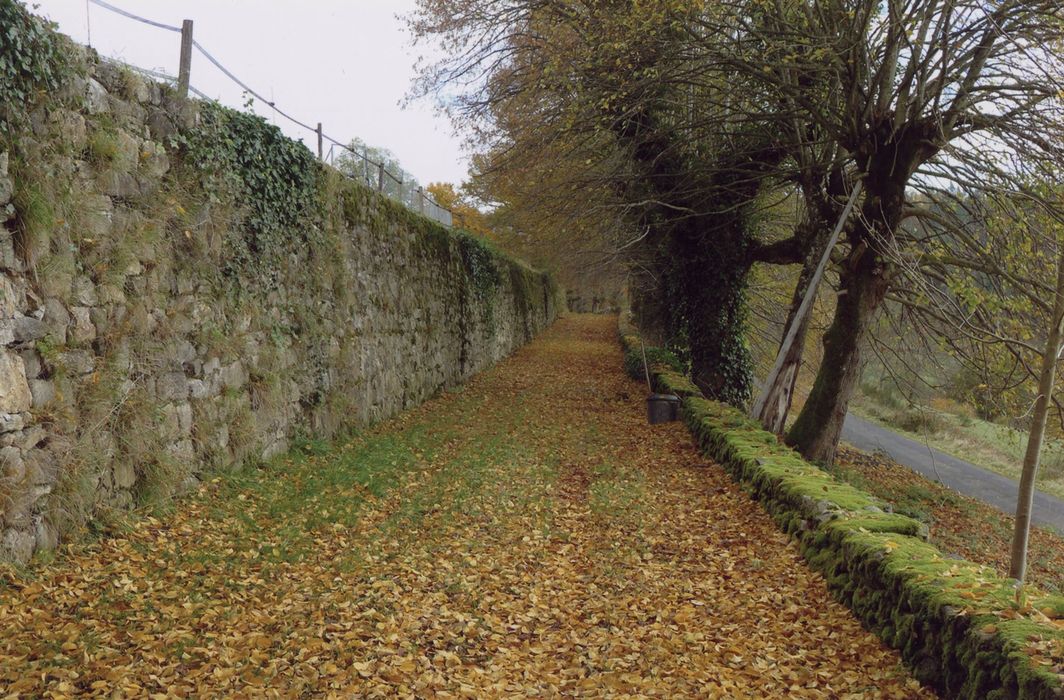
[
  {"x": 772, "y": 406},
  {"x": 816, "y": 431},
  {"x": 776, "y": 398},
  {"x": 1032, "y": 457},
  {"x": 713, "y": 266}
]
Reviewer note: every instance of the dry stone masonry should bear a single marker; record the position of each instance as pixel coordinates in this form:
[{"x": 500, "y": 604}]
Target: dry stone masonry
[{"x": 149, "y": 332}]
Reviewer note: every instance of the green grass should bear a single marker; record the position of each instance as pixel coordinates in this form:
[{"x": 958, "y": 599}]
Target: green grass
[
  {"x": 434, "y": 469},
  {"x": 281, "y": 507},
  {"x": 997, "y": 448},
  {"x": 103, "y": 147}
]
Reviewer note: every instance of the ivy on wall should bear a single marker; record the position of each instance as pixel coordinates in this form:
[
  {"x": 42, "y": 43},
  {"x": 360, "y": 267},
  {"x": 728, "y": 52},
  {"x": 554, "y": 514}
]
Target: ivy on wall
[
  {"x": 275, "y": 178},
  {"x": 31, "y": 62},
  {"x": 480, "y": 262}
]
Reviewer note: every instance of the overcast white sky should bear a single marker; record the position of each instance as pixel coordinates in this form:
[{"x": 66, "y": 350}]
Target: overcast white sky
[{"x": 345, "y": 63}]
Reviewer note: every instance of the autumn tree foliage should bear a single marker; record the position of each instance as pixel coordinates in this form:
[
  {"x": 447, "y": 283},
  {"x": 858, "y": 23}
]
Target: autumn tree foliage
[
  {"x": 994, "y": 290},
  {"x": 678, "y": 117},
  {"x": 464, "y": 212},
  {"x": 592, "y": 115}
]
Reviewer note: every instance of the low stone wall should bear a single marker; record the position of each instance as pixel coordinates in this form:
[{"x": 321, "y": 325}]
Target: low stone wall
[
  {"x": 182, "y": 288},
  {"x": 961, "y": 628}
]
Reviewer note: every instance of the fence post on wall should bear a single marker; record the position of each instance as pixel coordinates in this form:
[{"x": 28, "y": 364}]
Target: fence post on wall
[
  {"x": 321, "y": 151},
  {"x": 401, "y": 183},
  {"x": 421, "y": 200},
  {"x": 185, "y": 64},
  {"x": 380, "y": 178}
]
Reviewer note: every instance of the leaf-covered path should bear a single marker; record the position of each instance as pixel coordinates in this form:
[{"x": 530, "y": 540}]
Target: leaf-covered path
[{"x": 527, "y": 535}]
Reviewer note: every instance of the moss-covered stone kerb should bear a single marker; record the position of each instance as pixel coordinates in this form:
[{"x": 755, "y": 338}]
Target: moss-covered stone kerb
[
  {"x": 963, "y": 629},
  {"x": 182, "y": 288}
]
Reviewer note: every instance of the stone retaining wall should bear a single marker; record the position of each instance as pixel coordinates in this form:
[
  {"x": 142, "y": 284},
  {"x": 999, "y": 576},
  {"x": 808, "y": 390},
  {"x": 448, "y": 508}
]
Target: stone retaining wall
[
  {"x": 138, "y": 350},
  {"x": 960, "y": 627}
]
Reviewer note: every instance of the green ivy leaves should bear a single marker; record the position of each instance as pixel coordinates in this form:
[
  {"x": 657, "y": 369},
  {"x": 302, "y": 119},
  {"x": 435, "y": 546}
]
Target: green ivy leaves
[
  {"x": 274, "y": 178},
  {"x": 480, "y": 262},
  {"x": 31, "y": 62}
]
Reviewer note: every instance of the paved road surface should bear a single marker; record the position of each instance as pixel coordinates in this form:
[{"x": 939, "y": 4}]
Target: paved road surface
[{"x": 964, "y": 477}]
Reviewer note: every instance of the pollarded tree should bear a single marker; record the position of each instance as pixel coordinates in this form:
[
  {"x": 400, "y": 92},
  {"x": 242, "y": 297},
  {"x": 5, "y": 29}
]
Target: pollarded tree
[
  {"x": 911, "y": 91},
  {"x": 630, "y": 103}
]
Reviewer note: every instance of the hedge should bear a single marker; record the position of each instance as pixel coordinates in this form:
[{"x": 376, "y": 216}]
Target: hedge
[{"x": 962, "y": 629}]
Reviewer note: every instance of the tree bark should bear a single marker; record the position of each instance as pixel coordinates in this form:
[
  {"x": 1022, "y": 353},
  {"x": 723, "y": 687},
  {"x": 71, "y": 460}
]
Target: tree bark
[
  {"x": 775, "y": 402},
  {"x": 1032, "y": 457},
  {"x": 816, "y": 431}
]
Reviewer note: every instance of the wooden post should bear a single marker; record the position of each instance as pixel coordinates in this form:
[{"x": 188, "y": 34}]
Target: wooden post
[
  {"x": 421, "y": 200},
  {"x": 763, "y": 407},
  {"x": 380, "y": 178},
  {"x": 321, "y": 151},
  {"x": 185, "y": 66},
  {"x": 401, "y": 183}
]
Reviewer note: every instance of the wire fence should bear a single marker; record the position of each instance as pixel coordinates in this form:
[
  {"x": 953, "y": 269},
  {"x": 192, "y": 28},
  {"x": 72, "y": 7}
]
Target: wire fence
[{"x": 359, "y": 165}]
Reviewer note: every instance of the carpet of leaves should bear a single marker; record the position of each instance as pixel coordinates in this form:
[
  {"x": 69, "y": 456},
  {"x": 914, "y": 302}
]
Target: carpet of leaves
[
  {"x": 527, "y": 535},
  {"x": 959, "y": 525}
]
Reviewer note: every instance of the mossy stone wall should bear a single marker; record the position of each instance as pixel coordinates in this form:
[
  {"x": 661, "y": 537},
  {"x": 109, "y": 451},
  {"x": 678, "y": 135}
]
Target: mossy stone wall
[
  {"x": 167, "y": 309},
  {"x": 960, "y": 627}
]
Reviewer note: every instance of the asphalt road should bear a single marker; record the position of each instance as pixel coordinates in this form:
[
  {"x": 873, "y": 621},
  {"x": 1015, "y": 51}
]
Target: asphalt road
[{"x": 963, "y": 477}]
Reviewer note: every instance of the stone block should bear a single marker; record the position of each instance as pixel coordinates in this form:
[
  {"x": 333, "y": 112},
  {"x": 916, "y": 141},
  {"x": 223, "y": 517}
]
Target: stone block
[
  {"x": 7, "y": 187},
  {"x": 96, "y": 101},
  {"x": 10, "y": 300},
  {"x": 198, "y": 389},
  {"x": 42, "y": 466},
  {"x": 183, "y": 451},
  {"x": 70, "y": 127},
  {"x": 43, "y": 392},
  {"x": 31, "y": 437},
  {"x": 12, "y": 467},
  {"x": 172, "y": 386},
  {"x": 83, "y": 331},
  {"x": 119, "y": 184},
  {"x": 11, "y": 422},
  {"x": 18, "y": 507},
  {"x": 85, "y": 291},
  {"x": 175, "y": 422},
  {"x": 161, "y": 125},
  {"x": 27, "y": 329},
  {"x": 17, "y": 546},
  {"x": 111, "y": 294},
  {"x": 154, "y": 161},
  {"x": 180, "y": 351},
  {"x": 34, "y": 365},
  {"x": 97, "y": 216},
  {"x": 234, "y": 375},
  {"x": 77, "y": 361},
  {"x": 123, "y": 474},
  {"x": 8, "y": 259},
  {"x": 129, "y": 115},
  {"x": 57, "y": 319},
  {"x": 15, "y": 394}
]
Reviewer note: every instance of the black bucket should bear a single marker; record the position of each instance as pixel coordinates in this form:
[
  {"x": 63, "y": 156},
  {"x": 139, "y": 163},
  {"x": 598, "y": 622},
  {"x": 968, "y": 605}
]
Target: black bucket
[{"x": 662, "y": 408}]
